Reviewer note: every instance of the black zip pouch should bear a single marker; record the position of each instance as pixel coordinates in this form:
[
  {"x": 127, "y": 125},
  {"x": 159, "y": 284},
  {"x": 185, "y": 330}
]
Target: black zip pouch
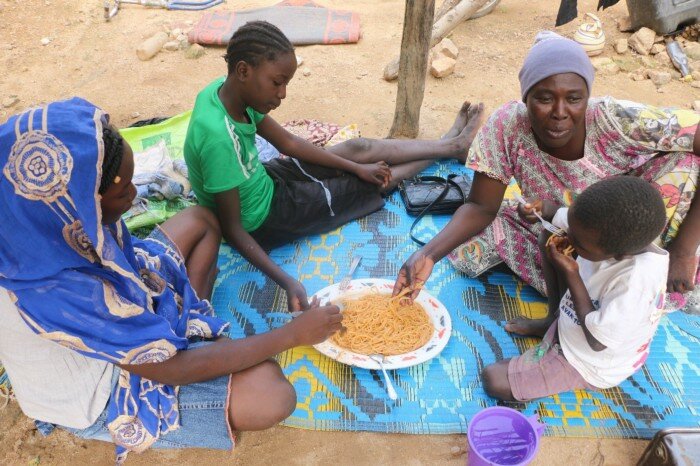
[
  {"x": 433, "y": 195},
  {"x": 436, "y": 194}
]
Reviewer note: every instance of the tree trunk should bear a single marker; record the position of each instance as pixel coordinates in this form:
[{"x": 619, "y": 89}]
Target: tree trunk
[
  {"x": 462, "y": 11},
  {"x": 413, "y": 64},
  {"x": 446, "y": 6}
]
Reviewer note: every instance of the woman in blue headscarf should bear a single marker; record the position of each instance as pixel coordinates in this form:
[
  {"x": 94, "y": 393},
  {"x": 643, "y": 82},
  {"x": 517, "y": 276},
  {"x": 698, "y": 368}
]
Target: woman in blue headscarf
[{"x": 96, "y": 327}]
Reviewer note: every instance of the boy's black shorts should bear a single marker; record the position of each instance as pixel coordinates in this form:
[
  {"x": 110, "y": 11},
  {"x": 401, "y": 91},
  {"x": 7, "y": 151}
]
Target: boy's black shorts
[{"x": 300, "y": 205}]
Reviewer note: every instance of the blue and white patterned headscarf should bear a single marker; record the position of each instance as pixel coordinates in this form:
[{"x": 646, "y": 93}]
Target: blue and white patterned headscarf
[{"x": 87, "y": 286}]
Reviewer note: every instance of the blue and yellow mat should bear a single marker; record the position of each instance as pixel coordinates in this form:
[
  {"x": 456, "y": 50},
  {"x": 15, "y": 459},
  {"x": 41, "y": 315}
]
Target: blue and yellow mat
[{"x": 442, "y": 395}]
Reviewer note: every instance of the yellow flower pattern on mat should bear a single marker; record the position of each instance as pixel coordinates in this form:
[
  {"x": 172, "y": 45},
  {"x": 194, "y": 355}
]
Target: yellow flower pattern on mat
[{"x": 322, "y": 253}]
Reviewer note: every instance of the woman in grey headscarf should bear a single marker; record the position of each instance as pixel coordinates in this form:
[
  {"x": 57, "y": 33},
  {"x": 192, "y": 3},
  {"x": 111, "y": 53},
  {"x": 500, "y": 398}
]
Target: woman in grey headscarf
[{"x": 555, "y": 143}]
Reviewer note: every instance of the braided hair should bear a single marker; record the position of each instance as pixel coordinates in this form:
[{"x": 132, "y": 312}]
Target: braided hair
[
  {"x": 254, "y": 42},
  {"x": 113, "y": 153}
]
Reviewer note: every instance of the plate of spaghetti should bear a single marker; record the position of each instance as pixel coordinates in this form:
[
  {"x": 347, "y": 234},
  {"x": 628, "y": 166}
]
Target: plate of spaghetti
[{"x": 375, "y": 323}]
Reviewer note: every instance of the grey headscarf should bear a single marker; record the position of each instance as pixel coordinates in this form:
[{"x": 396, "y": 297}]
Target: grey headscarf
[{"x": 553, "y": 54}]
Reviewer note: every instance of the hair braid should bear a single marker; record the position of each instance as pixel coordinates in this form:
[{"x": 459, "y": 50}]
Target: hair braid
[
  {"x": 256, "y": 41},
  {"x": 113, "y": 153}
]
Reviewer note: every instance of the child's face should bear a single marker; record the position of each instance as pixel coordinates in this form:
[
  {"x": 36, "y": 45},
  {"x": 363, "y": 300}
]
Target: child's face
[
  {"x": 586, "y": 241},
  {"x": 118, "y": 197},
  {"x": 265, "y": 85}
]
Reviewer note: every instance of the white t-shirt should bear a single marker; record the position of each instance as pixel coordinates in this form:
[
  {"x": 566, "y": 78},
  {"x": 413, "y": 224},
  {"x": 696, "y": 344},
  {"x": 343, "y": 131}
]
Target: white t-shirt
[
  {"x": 51, "y": 382},
  {"x": 628, "y": 296}
]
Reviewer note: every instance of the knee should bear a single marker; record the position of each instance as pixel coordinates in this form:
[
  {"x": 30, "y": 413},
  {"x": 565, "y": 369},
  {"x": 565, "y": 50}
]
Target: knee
[
  {"x": 207, "y": 221},
  {"x": 488, "y": 379},
  {"x": 495, "y": 381},
  {"x": 360, "y": 144},
  {"x": 280, "y": 393}
]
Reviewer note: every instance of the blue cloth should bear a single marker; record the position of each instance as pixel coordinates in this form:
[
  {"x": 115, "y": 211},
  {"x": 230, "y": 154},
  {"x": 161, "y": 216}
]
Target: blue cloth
[
  {"x": 203, "y": 415},
  {"x": 88, "y": 286},
  {"x": 553, "y": 54}
]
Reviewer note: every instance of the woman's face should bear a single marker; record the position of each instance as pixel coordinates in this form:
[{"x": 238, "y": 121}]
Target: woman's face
[
  {"x": 556, "y": 107},
  {"x": 117, "y": 199}
]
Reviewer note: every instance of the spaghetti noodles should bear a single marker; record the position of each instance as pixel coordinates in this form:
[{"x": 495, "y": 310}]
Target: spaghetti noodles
[
  {"x": 562, "y": 244},
  {"x": 378, "y": 323}
]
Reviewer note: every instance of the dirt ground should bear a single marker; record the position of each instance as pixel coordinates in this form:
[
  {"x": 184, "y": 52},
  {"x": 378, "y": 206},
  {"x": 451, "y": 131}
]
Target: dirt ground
[{"x": 96, "y": 60}]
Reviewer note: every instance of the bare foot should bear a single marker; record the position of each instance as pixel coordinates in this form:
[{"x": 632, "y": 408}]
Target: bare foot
[
  {"x": 529, "y": 327},
  {"x": 460, "y": 122},
  {"x": 475, "y": 117}
]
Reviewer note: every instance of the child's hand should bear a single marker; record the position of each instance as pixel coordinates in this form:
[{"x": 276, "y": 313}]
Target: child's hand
[
  {"x": 557, "y": 255},
  {"x": 296, "y": 296},
  {"x": 316, "y": 325},
  {"x": 682, "y": 271},
  {"x": 546, "y": 208},
  {"x": 375, "y": 173}
]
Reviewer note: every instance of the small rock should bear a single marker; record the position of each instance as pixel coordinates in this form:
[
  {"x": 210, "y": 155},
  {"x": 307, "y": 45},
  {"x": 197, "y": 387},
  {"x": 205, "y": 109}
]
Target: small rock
[
  {"x": 194, "y": 51},
  {"x": 624, "y": 24},
  {"x": 175, "y": 32},
  {"x": 181, "y": 37},
  {"x": 605, "y": 65},
  {"x": 456, "y": 451},
  {"x": 10, "y": 101},
  {"x": 442, "y": 67},
  {"x": 696, "y": 105},
  {"x": 621, "y": 46},
  {"x": 151, "y": 46},
  {"x": 696, "y": 75},
  {"x": 657, "y": 48},
  {"x": 638, "y": 76},
  {"x": 659, "y": 39},
  {"x": 661, "y": 90},
  {"x": 306, "y": 72},
  {"x": 8, "y": 46},
  {"x": 627, "y": 63},
  {"x": 460, "y": 75},
  {"x": 25, "y": 69},
  {"x": 642, "y": 41},
  {"x": 599, "y": 62},
  {"x": 172, "y": 46},
  {"x": 300, "y": 60},
  {"x": 663, "y": 58},
  {"x": 692, "y": 50},
  {"x": 446, "y": 48},
  {"x": 135, "y": 115},
  {"x": 659, "y": 78},
  {"x": 45, "y": 41},
  {"x": 649, "y": 62},
  {"x": 695, "y": 84}
]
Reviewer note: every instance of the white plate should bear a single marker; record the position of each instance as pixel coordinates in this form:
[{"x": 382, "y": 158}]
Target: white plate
[{"x": 437, "y": 312}]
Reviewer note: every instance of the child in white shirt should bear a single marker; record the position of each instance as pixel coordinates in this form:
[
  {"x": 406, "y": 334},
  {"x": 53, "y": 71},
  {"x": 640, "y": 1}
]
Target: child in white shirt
[{"x": 610, "y": 298}]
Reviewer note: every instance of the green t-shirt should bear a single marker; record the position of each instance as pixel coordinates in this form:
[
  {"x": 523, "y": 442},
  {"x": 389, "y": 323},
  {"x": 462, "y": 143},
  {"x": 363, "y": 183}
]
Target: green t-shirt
[{"x": 221, "y": 155}]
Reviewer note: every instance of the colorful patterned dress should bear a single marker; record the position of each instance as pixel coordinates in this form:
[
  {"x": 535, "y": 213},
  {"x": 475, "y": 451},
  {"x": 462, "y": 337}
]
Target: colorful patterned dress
[{"x": 621, "y": 138}]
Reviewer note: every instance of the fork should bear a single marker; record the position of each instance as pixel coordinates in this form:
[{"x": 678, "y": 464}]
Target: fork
[
  {"x": 346, "y": 280},
  {"x": 555, "y": 230}
]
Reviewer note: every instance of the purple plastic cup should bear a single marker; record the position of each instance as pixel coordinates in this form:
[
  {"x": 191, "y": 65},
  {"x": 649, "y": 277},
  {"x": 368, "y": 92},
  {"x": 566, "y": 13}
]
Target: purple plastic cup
[{"x": 500, "y": 436}]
